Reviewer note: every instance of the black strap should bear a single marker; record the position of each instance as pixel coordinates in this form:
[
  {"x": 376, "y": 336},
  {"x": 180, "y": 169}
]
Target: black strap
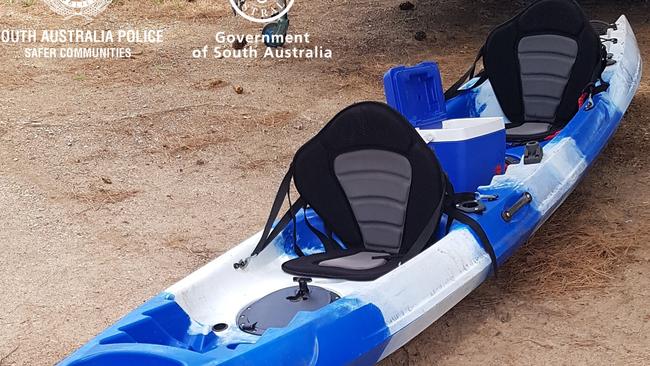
[
  {"x": 601, "y": 27},
  {"x": 455, "y": 214},
  {"x": 591, "y": 88},
  {"x": 600, "y": 88},
  {"x": 267, "y": 234},
  {"x": 294, "y": 231},
  {"x": 284, "y": 221},
  {"x": 330, "y": 245},
  {"x": 290, "y": 216},
  {"x": 455, "y": 90},
  {"x": 426, "y": 234}
]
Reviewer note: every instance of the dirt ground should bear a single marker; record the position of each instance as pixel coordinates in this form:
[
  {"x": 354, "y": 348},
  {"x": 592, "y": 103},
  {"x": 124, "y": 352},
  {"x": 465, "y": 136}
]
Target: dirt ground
[{"x": 118, "y": 178}]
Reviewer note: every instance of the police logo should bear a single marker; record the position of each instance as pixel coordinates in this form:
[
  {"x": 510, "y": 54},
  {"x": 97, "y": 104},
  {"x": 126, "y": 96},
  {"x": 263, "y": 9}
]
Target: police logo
[
  {"x": 83, "y": 8},
  {"x": 261, "y": 11}
]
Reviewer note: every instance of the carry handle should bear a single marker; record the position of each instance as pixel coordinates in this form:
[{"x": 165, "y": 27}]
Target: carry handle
[{"x": 509, "y": 213}]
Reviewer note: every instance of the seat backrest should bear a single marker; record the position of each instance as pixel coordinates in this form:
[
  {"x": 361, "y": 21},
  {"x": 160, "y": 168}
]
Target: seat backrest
[
  {"x": 540, "y": 61},
  {"x": 371, "y": 178}
]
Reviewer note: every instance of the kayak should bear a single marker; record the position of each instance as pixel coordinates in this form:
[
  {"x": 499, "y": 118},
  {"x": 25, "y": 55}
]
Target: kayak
[{"x": 198, "y": 321}]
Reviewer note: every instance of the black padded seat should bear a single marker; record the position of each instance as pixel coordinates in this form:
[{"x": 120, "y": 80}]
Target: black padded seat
[
  {"x": 375, "y": 184},
  {"x": 539, "y": 64},
  {"x": 379, "y": 190}
]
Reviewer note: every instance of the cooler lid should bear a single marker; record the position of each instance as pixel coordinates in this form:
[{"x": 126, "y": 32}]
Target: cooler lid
[
  {"x": 462, "y": 129},
  {"x": 416, "y": 92}
]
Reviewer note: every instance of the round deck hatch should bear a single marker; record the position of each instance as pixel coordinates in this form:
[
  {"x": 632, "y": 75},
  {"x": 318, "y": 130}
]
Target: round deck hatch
[{"x": 276, "y": 309}]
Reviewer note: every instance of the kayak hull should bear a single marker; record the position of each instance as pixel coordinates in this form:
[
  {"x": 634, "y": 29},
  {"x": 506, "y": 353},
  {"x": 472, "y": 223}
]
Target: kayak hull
[{"x": 371, "y": 319}]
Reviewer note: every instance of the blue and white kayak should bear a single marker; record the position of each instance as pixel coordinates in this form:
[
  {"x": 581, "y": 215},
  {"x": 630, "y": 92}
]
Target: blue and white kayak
[{"x": 195, "y": 321}]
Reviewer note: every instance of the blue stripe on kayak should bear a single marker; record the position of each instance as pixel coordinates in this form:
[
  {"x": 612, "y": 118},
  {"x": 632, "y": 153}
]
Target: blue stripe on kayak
[{"x": 347, "y": 331}]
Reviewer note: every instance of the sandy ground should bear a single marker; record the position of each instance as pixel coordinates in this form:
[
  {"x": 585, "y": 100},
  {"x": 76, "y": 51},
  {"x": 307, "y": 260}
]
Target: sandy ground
[{"x": 118, "y": 178}]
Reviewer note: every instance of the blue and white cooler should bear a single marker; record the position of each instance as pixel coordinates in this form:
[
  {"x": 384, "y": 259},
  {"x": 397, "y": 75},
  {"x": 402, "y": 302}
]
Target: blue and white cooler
[{"x": 471, "y": 150}]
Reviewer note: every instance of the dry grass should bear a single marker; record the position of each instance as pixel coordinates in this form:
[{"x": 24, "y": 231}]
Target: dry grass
[{"x": 570, "y": 254}]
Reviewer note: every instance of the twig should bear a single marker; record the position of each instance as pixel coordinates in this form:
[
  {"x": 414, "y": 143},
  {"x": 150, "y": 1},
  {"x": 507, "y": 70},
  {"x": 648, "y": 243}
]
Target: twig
[
  {"x": 7, "y": 355},
  {"x": 536, "y": 342}
]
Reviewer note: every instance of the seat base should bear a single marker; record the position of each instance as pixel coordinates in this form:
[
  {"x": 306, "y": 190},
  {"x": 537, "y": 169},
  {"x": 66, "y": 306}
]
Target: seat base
[
  {"x": 352, "y": 264},
  {"x": 529, "y": 131}
]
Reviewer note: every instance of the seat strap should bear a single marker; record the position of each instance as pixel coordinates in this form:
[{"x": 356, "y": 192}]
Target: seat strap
[
  {"x": 284, "y": 221},
  {"x": 598, "y": 75},
  {"x": 294, "y": 231},
  {"x": 455, "y": 90},
  {"x": 425, "y": 236},
  {"x": 430, "y": 228},
  {"x": 267, "y": 234},
  {"x": 330, "y": 245},
  {"x": 601, "y": 27},
  {"x": 454, "y": 213}
]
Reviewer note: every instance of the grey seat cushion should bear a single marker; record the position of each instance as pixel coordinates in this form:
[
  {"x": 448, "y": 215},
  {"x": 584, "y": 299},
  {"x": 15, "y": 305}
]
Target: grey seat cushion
[
  {"x": 377, "y": 185},
  {"x": 358, "y": 261},
  {"x": 343, "y": 264},
  {"x": 545, "y": 62}
]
